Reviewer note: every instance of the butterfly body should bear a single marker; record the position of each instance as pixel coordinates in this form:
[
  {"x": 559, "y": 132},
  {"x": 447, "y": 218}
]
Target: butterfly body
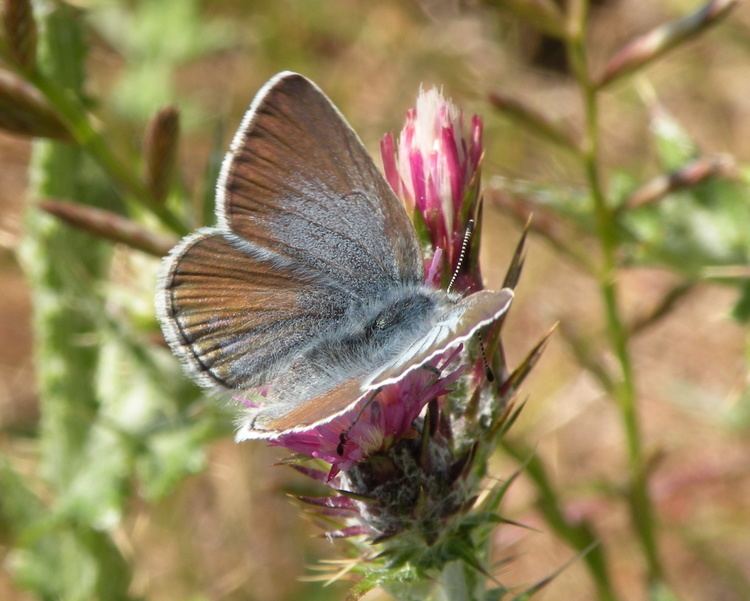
[
  {"x": 372, "y": 333},
  {"x": 311, "y": 284}
]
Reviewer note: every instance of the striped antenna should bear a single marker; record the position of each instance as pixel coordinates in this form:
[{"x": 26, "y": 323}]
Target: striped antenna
[{"x": 464, "y": 245}]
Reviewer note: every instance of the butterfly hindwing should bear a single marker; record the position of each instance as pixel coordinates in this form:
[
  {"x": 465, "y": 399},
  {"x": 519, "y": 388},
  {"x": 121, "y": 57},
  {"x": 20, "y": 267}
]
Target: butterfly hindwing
[{"x": 234, "y": 315}]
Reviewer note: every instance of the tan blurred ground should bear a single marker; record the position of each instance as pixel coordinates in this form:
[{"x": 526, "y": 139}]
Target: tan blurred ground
[{"x": 230, "y": 533}]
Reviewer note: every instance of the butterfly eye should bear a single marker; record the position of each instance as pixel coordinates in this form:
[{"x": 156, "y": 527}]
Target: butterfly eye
[{"x": 379, "y": 324}]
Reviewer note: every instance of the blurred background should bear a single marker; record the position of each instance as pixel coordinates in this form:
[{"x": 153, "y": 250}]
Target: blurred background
[{"x": 194, "y": 516}]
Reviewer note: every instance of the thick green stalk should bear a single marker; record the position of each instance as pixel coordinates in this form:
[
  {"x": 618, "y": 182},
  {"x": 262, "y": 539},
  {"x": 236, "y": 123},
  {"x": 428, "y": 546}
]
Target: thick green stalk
[
  {"x": 638, "y": 496},
  {"x": 61, "y": 264},
  {"x": 458, "y": 582},
  {"x": 63, "y": 557}
]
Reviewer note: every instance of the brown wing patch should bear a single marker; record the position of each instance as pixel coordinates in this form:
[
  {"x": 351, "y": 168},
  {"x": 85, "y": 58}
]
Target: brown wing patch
[
  {"x": 234, "y": 318},
  {"x": 321, "y": 408}
]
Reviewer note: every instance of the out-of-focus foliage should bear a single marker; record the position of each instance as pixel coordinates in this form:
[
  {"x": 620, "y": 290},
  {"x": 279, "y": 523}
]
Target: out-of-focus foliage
[
  {"x": 694, "y": 228},
  {"x": 157, "y": 37},
  {"x": 123, "y": 488},
  {"x": 115, "y": 413}
]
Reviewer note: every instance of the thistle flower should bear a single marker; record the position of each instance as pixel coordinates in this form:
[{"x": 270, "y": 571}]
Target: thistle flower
[
  {"x": 435, "y": 170},
  {"x": 405, "y": 469},
  {"x": 377, "y": 426}
]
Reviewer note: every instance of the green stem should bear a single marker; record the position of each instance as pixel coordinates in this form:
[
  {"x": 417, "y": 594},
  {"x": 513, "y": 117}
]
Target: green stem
[
  {"x": 64, "y": 268},
  {"x": 75, "y": 117},
  {"x": 638, "y": 495},
  {"x": 581, "y": 536},
  {"x": 457, "y": 583}
]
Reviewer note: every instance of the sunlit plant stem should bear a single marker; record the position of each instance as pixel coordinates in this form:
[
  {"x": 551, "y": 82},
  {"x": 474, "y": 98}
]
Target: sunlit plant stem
[{"x": 641, "y": 509}]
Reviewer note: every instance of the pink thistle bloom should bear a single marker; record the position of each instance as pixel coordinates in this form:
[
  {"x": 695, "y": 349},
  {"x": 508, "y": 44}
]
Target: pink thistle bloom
[
  {"x": 372, "y": 426},
  {"x": 433, "y": 269},
  {"x": 435, "y": 169}
]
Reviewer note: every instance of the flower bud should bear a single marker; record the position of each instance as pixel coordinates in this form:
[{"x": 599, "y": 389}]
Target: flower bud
[
  {"x": 160, "y": 152},
  {"x": 435, "y": 170},
  {"x": 20, "y": 32},
  {"x": 649, "y": 46},
  {"x": 109, "y": 226},
  {"x": 24, "y": 111}
]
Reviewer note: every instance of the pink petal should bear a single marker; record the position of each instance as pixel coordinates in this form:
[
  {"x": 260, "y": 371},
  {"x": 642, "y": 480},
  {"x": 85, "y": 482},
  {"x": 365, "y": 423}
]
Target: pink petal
[
  {"x": 416, "y": 167},
  {"x": 476, "y": 141},
  {"x": 347, "y": 532},
  {"x": 434, "y": 268},
  {"x": 337, "y": 502},
  {"x": 453, "y": 165},
  {"x": 388, "y": 154},
  {"x": 318, "y": 475}
]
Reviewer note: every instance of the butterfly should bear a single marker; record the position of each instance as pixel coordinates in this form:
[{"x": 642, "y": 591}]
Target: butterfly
[{"x": 310, "y": 287}]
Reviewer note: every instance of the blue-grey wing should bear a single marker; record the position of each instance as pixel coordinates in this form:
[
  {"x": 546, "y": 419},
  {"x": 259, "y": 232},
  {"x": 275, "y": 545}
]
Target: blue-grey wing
[{"x": 298, "y": 182}]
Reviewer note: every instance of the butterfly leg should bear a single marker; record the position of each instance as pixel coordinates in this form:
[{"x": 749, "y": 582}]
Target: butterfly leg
[
  {"x": 432, "y": 369},
  {"x": 344, "y": 435},
  {"x": 490, "y": 375}
]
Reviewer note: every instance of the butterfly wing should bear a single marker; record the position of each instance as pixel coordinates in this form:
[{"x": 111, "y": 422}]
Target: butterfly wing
[
  {"x": 268, "y": 421},
  {"x": 298, "y": 182},
  {"x": 235, "y": 315},
  {"x": 307, "y": 226},
  {"x": 453, "y": 326}
]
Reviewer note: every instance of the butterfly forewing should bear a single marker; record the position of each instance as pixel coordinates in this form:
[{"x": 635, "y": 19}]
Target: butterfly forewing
[
  {"x": 298, "y": 181},
  {"x": 269, "y": 421}
]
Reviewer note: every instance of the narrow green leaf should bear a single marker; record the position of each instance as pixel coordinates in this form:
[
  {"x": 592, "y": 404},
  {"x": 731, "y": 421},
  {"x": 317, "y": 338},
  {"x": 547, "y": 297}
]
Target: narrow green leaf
[
  {"x": 19, "y": 506},
  {"x": 741, "y": 310}
]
